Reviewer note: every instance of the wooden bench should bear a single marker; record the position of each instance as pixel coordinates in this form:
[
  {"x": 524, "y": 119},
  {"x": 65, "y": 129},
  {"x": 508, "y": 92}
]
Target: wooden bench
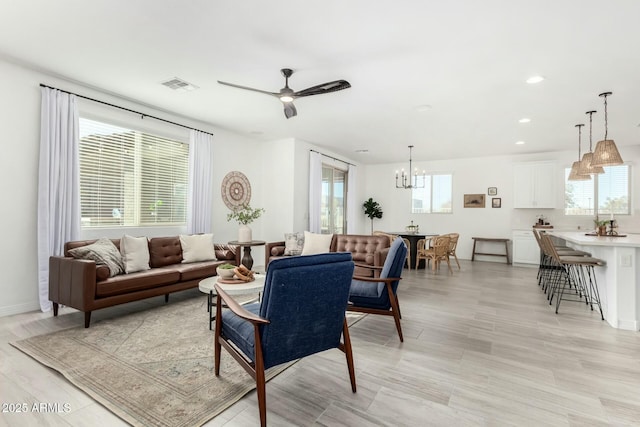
[{"x": 485, "y": 239}]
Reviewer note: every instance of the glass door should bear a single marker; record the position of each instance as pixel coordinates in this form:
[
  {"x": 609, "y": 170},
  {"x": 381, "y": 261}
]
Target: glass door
[{"x": 334, "y": 200}]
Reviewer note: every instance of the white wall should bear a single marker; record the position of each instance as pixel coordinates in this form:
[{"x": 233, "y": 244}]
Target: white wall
[
  {"x": 20, "y": 123},
  {"x": 278, "y": 172},
  {"x": 474, "y": 176}
]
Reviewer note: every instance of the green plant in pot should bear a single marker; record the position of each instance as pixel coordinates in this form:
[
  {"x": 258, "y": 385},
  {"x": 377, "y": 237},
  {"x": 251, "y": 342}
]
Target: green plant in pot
[
  {"x": 601, "y": 226},
  {"x": 245, "y": 215},
  {"x": 373, "y": 210}
]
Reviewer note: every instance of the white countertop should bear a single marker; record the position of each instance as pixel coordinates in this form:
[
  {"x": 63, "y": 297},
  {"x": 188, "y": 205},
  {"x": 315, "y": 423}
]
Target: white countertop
[{"x": 578, "y": 237}]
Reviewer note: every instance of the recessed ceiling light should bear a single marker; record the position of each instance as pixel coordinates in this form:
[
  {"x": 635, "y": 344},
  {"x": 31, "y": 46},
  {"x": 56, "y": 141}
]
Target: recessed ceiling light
[
  {"x": 524, "y": 120},
  {"x": 535, "y": 79},
  {"x": 519, "y": 142},
  {"x": 363, "y": 150}
]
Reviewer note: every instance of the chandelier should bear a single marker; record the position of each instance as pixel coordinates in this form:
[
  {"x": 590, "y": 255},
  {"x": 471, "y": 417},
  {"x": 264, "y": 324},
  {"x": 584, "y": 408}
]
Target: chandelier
[{"x": 410, "y": 179}]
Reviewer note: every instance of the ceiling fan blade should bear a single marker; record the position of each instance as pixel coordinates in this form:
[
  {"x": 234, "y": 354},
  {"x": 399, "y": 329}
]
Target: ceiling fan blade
[
  {"x": 249, "y": 88},
  {"x": 290, "y": 110},
  {"x": 323, "y": 88}
]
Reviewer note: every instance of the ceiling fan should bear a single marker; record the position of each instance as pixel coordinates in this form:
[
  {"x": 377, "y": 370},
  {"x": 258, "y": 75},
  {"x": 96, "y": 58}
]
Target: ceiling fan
[{"x": 287, "y": 95}]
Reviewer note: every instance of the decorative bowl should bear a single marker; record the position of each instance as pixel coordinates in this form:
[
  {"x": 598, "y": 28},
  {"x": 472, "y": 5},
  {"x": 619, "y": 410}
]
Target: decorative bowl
[{"x": 225, "y": 273}]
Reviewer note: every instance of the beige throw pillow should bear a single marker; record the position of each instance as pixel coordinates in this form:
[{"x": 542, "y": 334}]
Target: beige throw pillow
[
  {"x": 197, "y": 247},
  {"x": 316, "y": 243},
  {"x": 135, "y": 253}
]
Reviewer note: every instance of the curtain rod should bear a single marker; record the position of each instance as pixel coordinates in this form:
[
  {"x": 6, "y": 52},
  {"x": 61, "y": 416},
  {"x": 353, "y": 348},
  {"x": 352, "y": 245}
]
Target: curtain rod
[
  {"x": 125, "y": 109},
  {"x": 331, "y": 157}
]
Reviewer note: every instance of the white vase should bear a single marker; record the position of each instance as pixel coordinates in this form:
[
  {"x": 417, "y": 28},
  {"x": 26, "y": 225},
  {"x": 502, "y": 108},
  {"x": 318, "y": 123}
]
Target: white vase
[{"x": 244, "y": 233}]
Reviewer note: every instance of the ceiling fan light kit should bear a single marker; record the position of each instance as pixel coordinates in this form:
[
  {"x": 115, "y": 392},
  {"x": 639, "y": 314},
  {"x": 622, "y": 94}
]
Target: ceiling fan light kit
[
  {"x": 287, "y": 95},
  {"x": 606, "y": 153}
]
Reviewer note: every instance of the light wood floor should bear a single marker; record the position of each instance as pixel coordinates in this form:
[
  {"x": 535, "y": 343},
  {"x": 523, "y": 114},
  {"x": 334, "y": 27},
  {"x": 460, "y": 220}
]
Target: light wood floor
[{"x": 482, "y": 347}]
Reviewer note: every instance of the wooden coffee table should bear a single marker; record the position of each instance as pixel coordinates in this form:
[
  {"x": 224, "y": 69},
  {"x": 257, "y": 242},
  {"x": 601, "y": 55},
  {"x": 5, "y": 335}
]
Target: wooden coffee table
[{"x": 207, "y": 286}]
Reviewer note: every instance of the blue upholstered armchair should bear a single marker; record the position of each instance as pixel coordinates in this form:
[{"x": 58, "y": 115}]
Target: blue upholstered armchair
[
  {"x": 302, "y": 312},
  {"x": 377, "y": 295}
]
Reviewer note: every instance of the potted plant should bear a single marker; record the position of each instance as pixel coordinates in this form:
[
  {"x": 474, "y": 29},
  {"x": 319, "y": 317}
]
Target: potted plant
[
  {"x": 601, "y": 226},
  {"x": 245, "y": 215},
  {"x": 373, "y": 210}
]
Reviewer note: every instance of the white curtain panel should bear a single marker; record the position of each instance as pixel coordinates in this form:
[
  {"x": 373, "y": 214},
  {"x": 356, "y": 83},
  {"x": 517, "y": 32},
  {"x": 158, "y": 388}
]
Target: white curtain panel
[
  {"x": 315, "y": 190},
  {"x": 58, "y": 182},
  {"x": 199, "y": 210},
  {"x": 352, "y": 199}
]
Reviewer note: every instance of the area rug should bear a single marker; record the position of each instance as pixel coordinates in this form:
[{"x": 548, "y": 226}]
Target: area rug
[{"x": 151, "y": 368}]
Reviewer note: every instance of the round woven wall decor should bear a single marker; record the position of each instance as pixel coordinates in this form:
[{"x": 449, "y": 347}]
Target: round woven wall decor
[{"x": 236, "y": 190}]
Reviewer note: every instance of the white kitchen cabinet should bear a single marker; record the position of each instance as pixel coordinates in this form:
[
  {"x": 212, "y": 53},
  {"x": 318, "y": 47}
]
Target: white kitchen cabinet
[
  {"x": 525, "y": 247},
  {"x": 534, "y": 185}
]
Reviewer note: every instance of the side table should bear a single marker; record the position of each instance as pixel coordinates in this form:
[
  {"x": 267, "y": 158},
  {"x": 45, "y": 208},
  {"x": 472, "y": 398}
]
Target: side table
[{"x": 247, "y": 260}]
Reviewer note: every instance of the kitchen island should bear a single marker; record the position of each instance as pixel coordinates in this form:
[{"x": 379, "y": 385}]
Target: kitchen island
[{"x": 619, "y": 280}]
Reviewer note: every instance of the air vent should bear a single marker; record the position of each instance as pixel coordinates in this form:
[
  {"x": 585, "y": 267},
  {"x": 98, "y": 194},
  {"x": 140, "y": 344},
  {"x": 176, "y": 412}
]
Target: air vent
[{"x": 176, "y": 84}]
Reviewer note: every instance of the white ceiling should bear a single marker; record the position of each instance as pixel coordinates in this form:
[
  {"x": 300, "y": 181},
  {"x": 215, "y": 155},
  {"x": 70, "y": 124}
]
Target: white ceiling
[{"x": 466, "y": 59}]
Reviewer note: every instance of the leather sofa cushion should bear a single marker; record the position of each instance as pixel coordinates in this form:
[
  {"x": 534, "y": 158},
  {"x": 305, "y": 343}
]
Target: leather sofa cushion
[
  {"x": 102, "y": 272},
  {"x": 138, "y": 281},
  {"x": 362, "y": 247},
  {"x": 164, "y": 251},
  {"x": 195, "y": 270},
  {"x": 277, "y": 251}
]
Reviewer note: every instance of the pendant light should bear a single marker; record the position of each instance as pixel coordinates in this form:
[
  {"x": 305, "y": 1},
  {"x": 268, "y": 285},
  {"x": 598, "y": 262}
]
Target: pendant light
[
  {"x": 606, "y": 153},
  {"x": 586, "y": 165},
  {"x": 574, "y": 175}
]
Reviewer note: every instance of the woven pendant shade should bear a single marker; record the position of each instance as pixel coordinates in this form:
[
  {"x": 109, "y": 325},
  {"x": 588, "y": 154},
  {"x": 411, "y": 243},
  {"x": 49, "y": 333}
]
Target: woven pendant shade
[
  {"x": 574, "y": 175},
  {"x": 587, "y": 167},
  {"x": 606, "y": 154}
]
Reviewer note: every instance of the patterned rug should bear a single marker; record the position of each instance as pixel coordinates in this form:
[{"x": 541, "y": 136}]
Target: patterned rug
[{"x": 151, "y": 368}]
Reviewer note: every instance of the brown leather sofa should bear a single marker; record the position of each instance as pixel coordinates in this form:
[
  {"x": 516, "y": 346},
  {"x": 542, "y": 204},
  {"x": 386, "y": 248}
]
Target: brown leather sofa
[
  {"x": 365, "y": 249},
  {"x": 78, "y": 283}
]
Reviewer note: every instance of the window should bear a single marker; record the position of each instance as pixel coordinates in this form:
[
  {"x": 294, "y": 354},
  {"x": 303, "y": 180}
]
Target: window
[
  {"x": 131, "y": 178},
  {"x": 334, "y": 200},
  {"x": 435, "y": 197},
  {"x": 608, "y": 191}
]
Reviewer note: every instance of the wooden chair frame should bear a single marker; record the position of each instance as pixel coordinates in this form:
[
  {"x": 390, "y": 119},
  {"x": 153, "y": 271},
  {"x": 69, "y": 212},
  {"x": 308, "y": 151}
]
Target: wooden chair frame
[
  {"x": 393, "y": 299},
  {"x": 256, "y": 369}
]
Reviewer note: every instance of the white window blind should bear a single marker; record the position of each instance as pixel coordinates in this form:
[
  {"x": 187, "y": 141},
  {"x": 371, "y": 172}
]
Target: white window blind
[
  {"x": 131, "y": 178},
  {"x": 609, "y": 191},
  {"x": 613, "y": 190},
  {"x": 435, "y": 197}
]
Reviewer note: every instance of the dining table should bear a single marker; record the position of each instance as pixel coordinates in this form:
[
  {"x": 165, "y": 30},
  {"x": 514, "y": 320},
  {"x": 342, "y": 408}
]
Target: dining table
[{"x": 413, "y": 238}]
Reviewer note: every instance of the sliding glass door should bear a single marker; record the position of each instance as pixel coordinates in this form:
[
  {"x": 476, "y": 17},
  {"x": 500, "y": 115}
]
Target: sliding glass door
[{"x": 334, "y": 200}]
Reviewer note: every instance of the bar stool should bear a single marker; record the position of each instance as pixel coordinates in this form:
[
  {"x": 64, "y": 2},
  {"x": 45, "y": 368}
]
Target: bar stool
[
  {"x": 547, "y": 265},
  {"x": 577, "y": 272}
]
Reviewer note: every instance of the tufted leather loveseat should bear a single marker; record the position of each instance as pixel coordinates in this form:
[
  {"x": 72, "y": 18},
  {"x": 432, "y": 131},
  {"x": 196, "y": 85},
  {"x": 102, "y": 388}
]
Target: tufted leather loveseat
[
  {"x": 365, "y": 249},
  {"x": 80, "y": 284}
]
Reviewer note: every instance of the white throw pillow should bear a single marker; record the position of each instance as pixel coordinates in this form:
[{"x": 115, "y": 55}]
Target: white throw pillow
[
  {"x": 316, "y": 243},
  {"x": 135, "y": 253},
  {"x": 197, "y": 247}
]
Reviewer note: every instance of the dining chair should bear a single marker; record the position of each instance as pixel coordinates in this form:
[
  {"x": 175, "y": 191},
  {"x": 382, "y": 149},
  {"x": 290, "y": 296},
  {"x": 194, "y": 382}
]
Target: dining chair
[
  {"x": 302, "y": 312},
  {"x": 438, "y": 252},
  {"x": 453, "y": 244}
]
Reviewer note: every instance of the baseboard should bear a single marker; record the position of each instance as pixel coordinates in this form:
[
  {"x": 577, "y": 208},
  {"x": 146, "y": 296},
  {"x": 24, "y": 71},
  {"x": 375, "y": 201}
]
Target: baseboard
[
  {"x": 19, "y": 308},
  {"x": 628, "y": 325}
]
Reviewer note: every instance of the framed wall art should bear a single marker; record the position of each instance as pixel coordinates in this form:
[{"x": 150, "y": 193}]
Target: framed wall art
[
  {"x": 474, "y": 200},
  {"x": 492, "y": 191},
  {"x": 496, "y": 202}
]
